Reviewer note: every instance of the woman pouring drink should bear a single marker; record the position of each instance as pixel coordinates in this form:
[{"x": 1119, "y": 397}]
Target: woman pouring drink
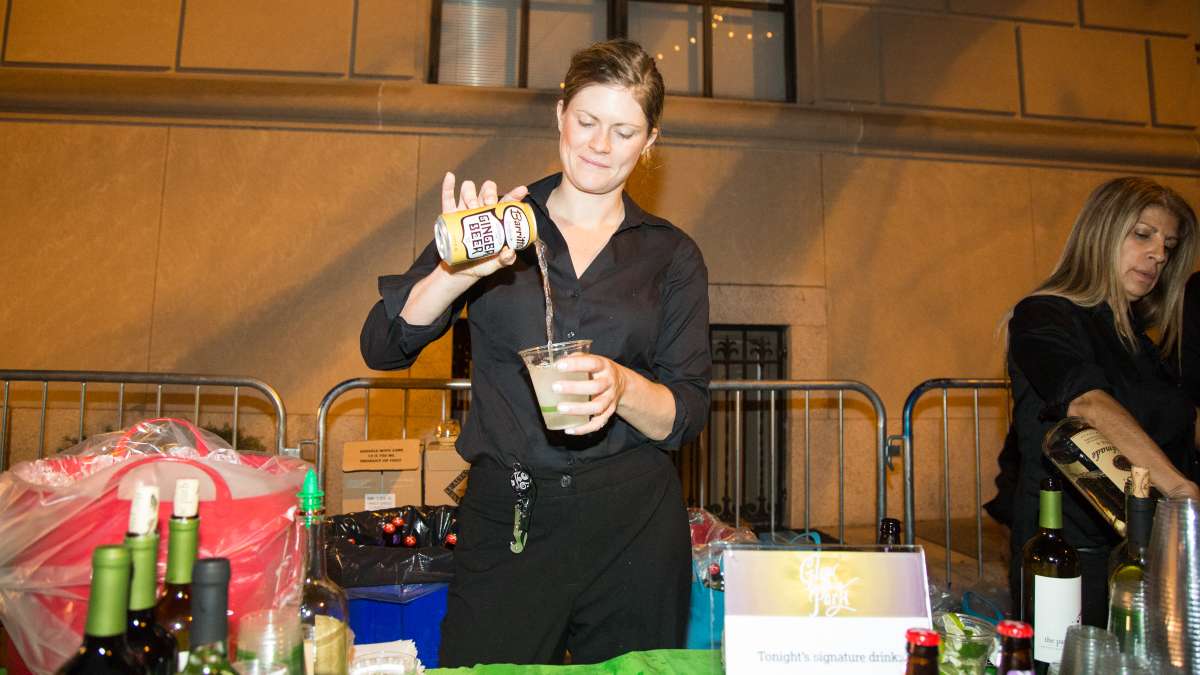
[{"x": 573, "y": 540}]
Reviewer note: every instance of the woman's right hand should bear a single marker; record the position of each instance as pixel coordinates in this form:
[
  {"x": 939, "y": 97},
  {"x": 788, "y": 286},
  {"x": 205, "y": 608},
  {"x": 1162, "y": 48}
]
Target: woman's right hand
[{"x": 468, "y": 198}]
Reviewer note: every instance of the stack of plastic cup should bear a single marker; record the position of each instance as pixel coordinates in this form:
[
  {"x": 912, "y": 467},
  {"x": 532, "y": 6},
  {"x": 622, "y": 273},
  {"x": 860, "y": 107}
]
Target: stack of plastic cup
[
  {"x": 1173, "y": 587},
  {"x": 1087, "y": 650},
  {"x": 271, "y": 639},
  {"x": 1127, "y": 664}
]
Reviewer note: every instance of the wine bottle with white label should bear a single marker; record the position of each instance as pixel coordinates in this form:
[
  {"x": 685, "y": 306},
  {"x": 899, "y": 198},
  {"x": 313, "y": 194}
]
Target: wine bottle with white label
[
  {"x": 1051, "y": 582},
  {"x": 1093, "y": 465}
]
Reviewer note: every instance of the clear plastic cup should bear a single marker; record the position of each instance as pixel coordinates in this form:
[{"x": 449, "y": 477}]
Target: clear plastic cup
[
  {"x": 271, "y": 638},
  {"x": 1086, "y": 649},
  {"x": 539, "y": 361}
]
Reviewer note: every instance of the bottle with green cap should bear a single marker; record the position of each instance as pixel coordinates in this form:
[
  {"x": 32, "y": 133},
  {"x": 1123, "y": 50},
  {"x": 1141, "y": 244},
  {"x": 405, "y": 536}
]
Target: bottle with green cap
[
  {"x": 104, "y": 649},
  {"x": 1051, "y": 581},
  {"x": 324, "y": 610},
  {"x": 210, "y": 620},
  {"x": 174, "y": 609},
  {"x": 152, "y": 646}
]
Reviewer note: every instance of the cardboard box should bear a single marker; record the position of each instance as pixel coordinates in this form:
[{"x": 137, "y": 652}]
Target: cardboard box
[
  {"x": 445, "y": 475},
  {"x": 392, "y": 475}
]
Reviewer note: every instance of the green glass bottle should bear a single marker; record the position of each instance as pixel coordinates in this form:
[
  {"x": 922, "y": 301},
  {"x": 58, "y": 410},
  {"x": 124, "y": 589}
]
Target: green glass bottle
[
  {"x": 209, "y": 654},
  {"x": 324, "y": 610},
  {"x": 1051, "y": 582},
  {"x": 152, "y": 646},
  {"x": 104, "y": 649},
  {"x": 1127, "y": 567},
  {"x": 174, "y": 609}
]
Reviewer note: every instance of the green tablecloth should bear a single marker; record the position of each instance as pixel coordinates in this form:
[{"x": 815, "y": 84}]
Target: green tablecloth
[{"x": 659, "y": 662}]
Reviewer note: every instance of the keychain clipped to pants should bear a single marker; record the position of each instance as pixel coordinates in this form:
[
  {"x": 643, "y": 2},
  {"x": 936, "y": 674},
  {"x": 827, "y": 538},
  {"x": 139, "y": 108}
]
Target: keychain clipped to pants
[{"x": 525, "y": 491}]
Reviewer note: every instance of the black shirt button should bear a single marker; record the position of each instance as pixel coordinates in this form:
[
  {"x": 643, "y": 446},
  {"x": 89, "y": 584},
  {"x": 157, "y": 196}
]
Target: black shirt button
[
  {"x": 565, "y": 481},
  {"x": 575, "y": 293}
]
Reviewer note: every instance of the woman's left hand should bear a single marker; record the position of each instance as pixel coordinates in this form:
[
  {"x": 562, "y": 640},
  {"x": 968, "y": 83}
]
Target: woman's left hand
[{"x": 606, "y": 386}]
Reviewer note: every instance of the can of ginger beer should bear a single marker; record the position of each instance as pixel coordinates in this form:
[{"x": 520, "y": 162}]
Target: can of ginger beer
[{"x": 474, "y": 234}]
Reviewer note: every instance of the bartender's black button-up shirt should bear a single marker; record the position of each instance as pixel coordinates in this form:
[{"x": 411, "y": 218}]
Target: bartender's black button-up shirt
[
  {"x": 1059, "y": 351},
  {"x": 643, "y": 302}
]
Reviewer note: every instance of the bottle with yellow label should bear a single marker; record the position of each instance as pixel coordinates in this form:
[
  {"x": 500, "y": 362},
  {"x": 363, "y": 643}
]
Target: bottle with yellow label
[{"x": 324, "y": 611}]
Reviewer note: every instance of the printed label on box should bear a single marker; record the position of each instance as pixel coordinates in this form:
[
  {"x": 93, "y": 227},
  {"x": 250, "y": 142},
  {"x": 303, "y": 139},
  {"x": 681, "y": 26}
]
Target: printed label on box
[
  {"x": 377, "y": 501},
  {"x": 391, "y": 455},
  {"x": 457, "y": 488}
]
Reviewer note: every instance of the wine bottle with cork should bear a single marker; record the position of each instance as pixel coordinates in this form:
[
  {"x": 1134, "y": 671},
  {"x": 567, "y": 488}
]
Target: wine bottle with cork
[
  {"x": 104, "y": 649},
  {"x": 1127, "y": 567},
  {"x": 152, "y": 646},
  {"x": 174, "y": 609},
  {"x": 1092, "y": 464}
]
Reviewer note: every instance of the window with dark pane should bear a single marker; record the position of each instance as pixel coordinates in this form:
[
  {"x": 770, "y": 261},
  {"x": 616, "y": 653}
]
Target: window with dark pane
[
  {"x": 460, "y": 368},
  {"x": 745, "y": 443},
  {"x": 713, "y": 48}
]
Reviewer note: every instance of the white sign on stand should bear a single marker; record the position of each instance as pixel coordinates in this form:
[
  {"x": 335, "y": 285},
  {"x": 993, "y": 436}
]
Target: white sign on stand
[{"x": 834, "y": 610}]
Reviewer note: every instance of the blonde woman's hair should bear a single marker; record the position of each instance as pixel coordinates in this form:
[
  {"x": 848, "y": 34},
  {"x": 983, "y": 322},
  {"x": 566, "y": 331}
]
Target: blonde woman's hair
[
  {"x": 1088, "y": 273},
  {"x": 621, "y": 63}
]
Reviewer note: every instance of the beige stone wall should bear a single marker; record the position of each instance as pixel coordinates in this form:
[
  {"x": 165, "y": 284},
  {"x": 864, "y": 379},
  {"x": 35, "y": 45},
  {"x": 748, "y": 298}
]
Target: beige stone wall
[
  {"x": 1103, "y": 61},
  {"x": 250, "y": 245}
]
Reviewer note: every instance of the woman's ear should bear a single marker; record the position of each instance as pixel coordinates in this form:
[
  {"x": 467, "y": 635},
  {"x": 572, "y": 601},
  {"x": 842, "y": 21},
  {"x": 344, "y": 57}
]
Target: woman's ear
[
  {"x": 558, "y": 114},
  {"x": 650, "y": 140}
]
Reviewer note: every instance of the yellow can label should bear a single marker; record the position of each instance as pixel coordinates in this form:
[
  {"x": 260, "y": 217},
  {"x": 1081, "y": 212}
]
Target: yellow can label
[{"x": 474, "y": 234}]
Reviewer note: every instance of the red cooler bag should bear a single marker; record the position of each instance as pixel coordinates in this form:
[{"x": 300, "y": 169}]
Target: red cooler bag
[{"x": 54, "y": 512}]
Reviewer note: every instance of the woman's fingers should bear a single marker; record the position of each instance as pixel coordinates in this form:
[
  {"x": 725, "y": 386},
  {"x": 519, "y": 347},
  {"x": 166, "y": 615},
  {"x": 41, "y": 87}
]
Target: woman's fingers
[
  {"x": 448, "y": 203},
  {"x": 467, "y": 197},
  {"x": 516, "y": 194},
  {"x": 487, "y": 193}
]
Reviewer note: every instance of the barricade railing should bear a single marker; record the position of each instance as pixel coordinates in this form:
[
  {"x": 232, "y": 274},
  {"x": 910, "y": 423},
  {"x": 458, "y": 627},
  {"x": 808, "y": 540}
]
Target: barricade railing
[
  {"x": 946, "y": 385},
  {"x": 158, "y": 380},
  {"x": 738, "y": 389}
]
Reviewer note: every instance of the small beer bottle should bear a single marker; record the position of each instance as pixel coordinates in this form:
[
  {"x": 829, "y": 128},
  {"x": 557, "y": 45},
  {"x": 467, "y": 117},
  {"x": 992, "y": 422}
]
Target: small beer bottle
[
  {"x": 922, "y": 652},
  {"x": 889, "y": 532},
  {"x": 1016, "y": 648}
]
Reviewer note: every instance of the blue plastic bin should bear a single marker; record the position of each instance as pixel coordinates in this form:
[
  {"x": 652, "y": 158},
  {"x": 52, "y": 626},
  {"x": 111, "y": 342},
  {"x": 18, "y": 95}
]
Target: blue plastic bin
[{"x": 419, "y": 620}]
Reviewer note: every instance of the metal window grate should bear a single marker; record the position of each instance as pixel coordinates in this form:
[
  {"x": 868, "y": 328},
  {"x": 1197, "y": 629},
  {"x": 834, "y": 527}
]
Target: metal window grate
[{"x": 750, "y": 353}]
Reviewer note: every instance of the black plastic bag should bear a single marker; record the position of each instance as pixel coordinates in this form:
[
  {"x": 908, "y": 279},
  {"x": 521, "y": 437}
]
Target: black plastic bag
[{"x": 359, "y": 552}]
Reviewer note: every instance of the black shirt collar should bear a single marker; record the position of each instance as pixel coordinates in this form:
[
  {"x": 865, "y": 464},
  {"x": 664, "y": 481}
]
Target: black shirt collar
[{"x": 539, "y": 193}]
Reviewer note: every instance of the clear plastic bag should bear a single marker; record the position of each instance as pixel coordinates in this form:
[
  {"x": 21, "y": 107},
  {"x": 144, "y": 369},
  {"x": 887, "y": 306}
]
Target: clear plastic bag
[{"x": 53, "y": 512}]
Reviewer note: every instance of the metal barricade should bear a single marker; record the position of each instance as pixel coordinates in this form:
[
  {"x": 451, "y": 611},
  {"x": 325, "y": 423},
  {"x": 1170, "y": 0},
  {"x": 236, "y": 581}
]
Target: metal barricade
[
  {"x": 946, "y": 385},
  {"x": 158, "y": 380},
  {"x": 737, "y": 387},
  {"x": 808, "y": 387}
]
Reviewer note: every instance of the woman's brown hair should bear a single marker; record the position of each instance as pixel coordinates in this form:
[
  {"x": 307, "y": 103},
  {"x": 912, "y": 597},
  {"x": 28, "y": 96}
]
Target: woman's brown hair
[
  {"x": 619, "y": 63},
  {"x": 1088, "y": 272}
]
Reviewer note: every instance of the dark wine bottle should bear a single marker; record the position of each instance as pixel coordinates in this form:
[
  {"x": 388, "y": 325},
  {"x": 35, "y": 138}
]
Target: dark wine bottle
[
  {"x": 1016, "y": 648},
  {"x": 210, "y": 621},
  {"x": 889, "y": 532},
  {"x": 922, "y": 652},
  {"x": 1051, "y": 584},
  {"x": 174, "y": 609},
  {"x": 104, "y": 649},
  {"x": 152, "y": 646}
]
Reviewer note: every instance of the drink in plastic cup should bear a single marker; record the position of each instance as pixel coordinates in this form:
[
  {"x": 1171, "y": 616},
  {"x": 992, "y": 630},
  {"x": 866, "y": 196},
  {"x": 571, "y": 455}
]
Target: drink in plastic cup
[
  {"x": 540, "y": 362},
  {"x": 967, "y": 642}
]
